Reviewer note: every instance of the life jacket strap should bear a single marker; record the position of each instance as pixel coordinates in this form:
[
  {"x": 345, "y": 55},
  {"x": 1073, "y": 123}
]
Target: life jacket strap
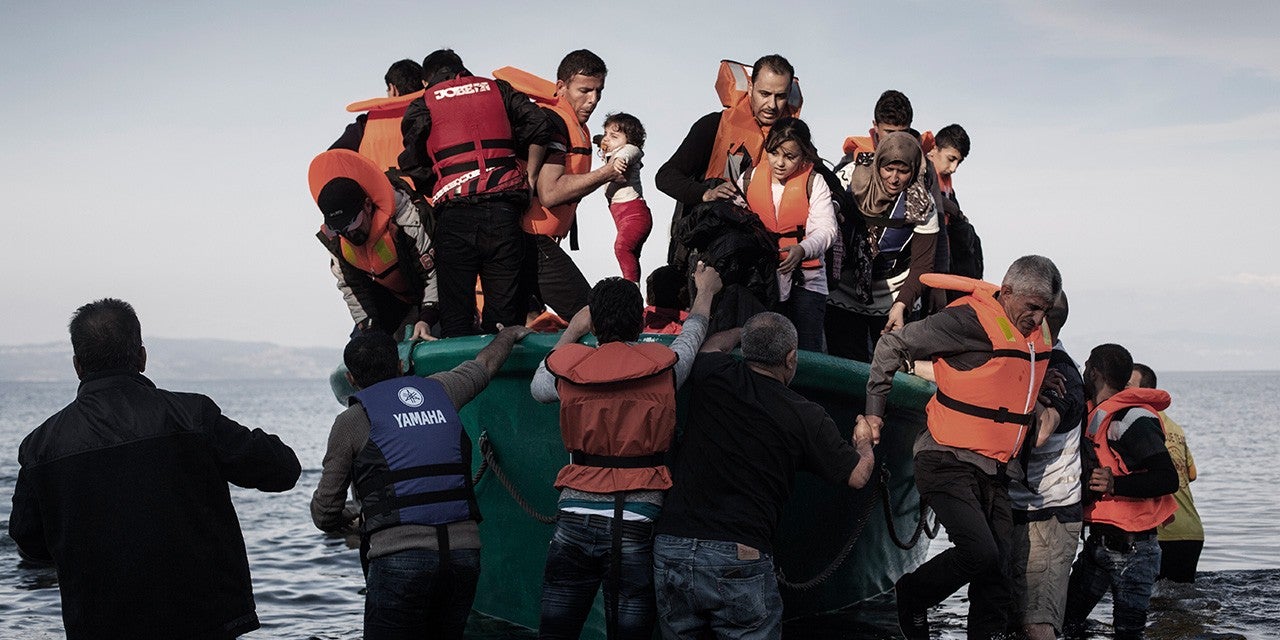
[
  {"x": 464, "y": 167},
  {"x": 468, "y": 147},
  {"x": 1002, "y": 415},
  {"x": 410, "y": 473},
  {"x": 416, "y": 500},
  {"x": 617, "y": 462}
]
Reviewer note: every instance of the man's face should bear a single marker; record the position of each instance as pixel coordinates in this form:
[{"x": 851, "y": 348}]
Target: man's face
[
  {"x": 883, "y": 129},
  {"x": 357, "y": 232},
  {"x": 1025, "y": 310},
  {"x": 1135, "y": 380},
  {"x": 945, "y": 160},
  {"x": 582, "y": 93},
  {"x": 768, "y": 95}
]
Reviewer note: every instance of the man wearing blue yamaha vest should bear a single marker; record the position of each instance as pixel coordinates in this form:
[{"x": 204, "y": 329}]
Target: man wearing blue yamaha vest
[{"x": 402, "y": 446}]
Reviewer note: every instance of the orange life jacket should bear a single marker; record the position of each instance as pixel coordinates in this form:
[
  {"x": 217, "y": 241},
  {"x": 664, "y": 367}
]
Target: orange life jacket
[
  {"x": 788, "y": 222},
  {"x": 739, "y": 136},
  {"x": 862, "y": 149},
  {"x": 554, "y": 221},
  {"x": 1129, "y": 514},
  {"x": 988, "y": 409},
  {"x": 617, "y": 415},
  {"x": 382, "y": 141},
  {"x": 377, "y": 257}
]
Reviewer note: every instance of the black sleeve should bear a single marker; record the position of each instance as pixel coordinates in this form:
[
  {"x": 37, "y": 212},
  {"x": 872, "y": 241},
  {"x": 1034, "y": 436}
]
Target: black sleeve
[
  {"x": 826, "y": 454},
  {"x": 681, "y": 177},
  {"x": 1143, "y": 450},
  {"x": 251, "y": 459},
  {"x": 353, "y": 136},
  {"x": 415, "y": 126},
  {"x": 26, "y": 525},
  {"x": 529, "y": 122},
  {"x": 1071, "y": 406}
]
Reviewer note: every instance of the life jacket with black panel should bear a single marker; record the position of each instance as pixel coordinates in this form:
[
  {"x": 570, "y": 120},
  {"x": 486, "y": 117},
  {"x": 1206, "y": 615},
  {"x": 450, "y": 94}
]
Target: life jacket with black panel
[
  {"x": 1130, "y": 514},
  {"x": 787, "y": 222},
  {"x": 617, "y": 415},
  {"x": 471, "y": 144},
  {"x": 739, "y": 143},
  {"x": 412, "y": 470},
  {"x": 378, "y": 257},
  {"x": 988, "y": 409}
]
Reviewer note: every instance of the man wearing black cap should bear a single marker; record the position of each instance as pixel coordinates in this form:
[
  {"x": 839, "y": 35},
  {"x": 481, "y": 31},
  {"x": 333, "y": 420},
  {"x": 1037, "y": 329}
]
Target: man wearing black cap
[
  {"x": 380, "y": 251},
  {"x": 466, "y": 141}
]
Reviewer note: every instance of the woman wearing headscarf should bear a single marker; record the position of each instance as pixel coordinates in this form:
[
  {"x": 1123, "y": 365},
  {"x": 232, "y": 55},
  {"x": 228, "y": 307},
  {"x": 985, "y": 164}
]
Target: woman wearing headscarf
[{"x": 902, "y": 222}]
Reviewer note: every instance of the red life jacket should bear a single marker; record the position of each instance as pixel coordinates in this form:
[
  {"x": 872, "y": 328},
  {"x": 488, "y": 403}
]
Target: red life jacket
[
  {"x": 377, "y": 257},
  {"x": 988, "y": 409},
  {"x": 1129, "y": 514},
  {"x": 382, "y": 141},
  {"x": 788, "y": 222},
  {"x": 739, "y": 135},
  {"x": 471, "y": 144},
  {"x": 617, "y": 415}
]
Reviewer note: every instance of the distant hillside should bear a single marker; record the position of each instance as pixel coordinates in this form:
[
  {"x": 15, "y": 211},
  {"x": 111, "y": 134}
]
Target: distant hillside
[{"x": 172, "y": 359}]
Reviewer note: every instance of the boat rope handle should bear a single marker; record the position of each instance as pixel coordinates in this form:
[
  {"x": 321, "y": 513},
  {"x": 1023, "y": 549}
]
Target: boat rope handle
[
  {"x": 922, "y": 525},
  {"x": 490, "y": 462}
]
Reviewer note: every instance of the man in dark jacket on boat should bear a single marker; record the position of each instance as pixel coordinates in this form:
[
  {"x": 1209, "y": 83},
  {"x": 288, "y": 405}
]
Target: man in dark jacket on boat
[
  {"x": 989, "y": 352},
  {"x": 402, "y": 446},
  {"x": 746, "y": 437},
  {"x": 125, "y": 491}
]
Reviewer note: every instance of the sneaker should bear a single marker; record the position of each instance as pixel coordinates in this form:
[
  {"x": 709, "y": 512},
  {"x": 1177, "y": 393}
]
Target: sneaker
[{"x": 913, "y": 622}]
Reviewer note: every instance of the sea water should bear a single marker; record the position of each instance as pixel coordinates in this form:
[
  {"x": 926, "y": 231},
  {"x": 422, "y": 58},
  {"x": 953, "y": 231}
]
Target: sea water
[{"x": 307, "y": 584}]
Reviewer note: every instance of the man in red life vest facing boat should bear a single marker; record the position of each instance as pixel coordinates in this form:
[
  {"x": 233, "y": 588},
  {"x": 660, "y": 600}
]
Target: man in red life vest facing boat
[{"x": 990, "y": 351}]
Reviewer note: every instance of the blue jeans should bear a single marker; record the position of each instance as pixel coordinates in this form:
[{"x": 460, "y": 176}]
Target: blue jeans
[
  {"x": 702, "y": 587},
  {"x": 410, "y": 595},
  {"x": 1129, "y": 574},
  {"x": 579, "y": 563}
]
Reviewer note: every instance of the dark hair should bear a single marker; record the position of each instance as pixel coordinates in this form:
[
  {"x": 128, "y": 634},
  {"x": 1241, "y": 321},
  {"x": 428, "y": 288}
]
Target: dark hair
[
  {"x": 955, "y": 137},
  {"x": 581, "y": 63},
  {"x": 405, "y": 76},
  {"x": 441, "y": 65},
  {"x": 1146, "y": 376},
  {"x": 893, "y": 108},
  {"x": 629, "y": 125},
  {"x": 617, "y": 311},
  {"x": 372, "y": 357},
  {"x": 664, "y": 285},
  {"x": 1056, "y": 315},
  {"x": 106, "y": 334},
  {"x": 1113, "y": 363},
  {"x": 774, "y": 63},
  {"x": 795, "y": 130}
]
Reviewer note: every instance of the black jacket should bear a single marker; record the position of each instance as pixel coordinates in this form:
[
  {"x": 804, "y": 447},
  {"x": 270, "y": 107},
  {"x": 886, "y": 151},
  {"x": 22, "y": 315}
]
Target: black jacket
[{"x": 125, "y": 490}]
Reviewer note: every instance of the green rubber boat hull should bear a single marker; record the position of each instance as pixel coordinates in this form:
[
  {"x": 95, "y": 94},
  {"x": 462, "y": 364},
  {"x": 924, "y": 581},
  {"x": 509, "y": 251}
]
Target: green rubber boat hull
[{"x": 817, "y": 523}]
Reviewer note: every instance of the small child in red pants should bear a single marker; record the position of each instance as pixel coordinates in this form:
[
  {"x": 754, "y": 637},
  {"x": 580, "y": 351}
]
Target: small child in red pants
[{"x": 623, "y": 139}]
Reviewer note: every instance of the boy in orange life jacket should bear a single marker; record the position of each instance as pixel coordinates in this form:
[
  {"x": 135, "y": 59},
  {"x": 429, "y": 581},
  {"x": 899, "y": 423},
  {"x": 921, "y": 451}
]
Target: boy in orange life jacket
[
  {"x": 617, "y": 417},
  {"x": 623, "y": 142},
  {"x": 795, "y": 205},
  {"x": 1130, "y": 494}
]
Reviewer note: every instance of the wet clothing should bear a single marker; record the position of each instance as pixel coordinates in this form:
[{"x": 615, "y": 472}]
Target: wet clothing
[
  {"x": 126, "y": 491},
  {"x": 1182, "y": 540}
]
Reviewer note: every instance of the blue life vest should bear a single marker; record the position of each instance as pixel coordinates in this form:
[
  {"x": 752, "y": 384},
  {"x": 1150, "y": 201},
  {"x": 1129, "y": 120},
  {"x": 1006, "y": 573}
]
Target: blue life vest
[
  {"x": 893, "y": 239},
  {"x": 413, "y": 469}
]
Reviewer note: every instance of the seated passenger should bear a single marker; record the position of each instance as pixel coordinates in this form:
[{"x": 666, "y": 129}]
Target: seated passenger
[
  {"x": 665, "y": 313},
  {"x": 380, "y": 251},
  {"x": 795, "y": 206},
  {"x": 623, "y": 141},
  {"x": 890, "y": 192}
]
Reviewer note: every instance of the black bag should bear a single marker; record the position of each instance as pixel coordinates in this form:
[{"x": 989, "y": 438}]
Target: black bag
[
  {"x": 849, "y": 259},
  {"x": 733, "y": 241}
]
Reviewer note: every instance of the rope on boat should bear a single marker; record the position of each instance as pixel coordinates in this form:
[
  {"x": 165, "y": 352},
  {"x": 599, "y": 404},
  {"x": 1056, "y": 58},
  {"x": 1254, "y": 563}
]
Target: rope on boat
[
  {"x": 922, "y": 525},
  {"x": 490, "y": 462}
]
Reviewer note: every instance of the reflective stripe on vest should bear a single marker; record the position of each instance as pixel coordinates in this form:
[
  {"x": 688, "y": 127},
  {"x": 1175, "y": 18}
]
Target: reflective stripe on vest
[
  {"x": 1129, "y": 514},
  {"x": 411, "y": 470},
  {"x": 471, "y": 144},
  {"x": 788, "y": 222},
  {"x": 988, "y": 409},
  {"x": 556, "y": 221},
  {"x": 617, "y": 413}
]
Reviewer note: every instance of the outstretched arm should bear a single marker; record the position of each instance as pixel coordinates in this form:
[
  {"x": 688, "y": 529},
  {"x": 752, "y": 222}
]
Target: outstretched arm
[{"x": 495, "y": 353}]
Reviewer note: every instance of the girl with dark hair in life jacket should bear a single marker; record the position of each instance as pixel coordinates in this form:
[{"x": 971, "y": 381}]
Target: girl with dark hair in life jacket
[
  {"x": 795, "y": 205},
  {"x": 901, "y": 216}
]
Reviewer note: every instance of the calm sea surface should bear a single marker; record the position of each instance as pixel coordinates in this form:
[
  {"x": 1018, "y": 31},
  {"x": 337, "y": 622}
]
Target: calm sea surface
[{"x": 307, "y": 584}]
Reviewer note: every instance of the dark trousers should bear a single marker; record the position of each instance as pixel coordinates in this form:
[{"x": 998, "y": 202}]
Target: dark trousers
[
  {"x": 852, "y": 335},
  {"x": 479, "y": 239},
  {"x": 1178, "y": 559},
  {"x": 974, "y": 509},
  {"x": 806, "y": 310},
  {"x": 411, "y": 594},
  {"x": 559, "y": 283},
  {"x": 1127, "y": 570}
]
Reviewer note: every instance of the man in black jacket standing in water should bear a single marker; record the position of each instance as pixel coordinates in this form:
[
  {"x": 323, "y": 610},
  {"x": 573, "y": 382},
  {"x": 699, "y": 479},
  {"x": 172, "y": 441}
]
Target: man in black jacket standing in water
[{"x": 125, "y": 491}]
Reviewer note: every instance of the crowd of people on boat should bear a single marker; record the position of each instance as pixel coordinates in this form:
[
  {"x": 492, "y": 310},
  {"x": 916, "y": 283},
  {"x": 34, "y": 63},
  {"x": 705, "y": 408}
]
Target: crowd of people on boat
[{"x": 456, "y": 180}]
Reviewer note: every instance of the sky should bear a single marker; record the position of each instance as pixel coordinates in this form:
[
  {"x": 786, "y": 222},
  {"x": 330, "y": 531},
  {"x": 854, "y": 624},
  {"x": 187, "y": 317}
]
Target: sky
[{"x": 158, "y": 153}]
